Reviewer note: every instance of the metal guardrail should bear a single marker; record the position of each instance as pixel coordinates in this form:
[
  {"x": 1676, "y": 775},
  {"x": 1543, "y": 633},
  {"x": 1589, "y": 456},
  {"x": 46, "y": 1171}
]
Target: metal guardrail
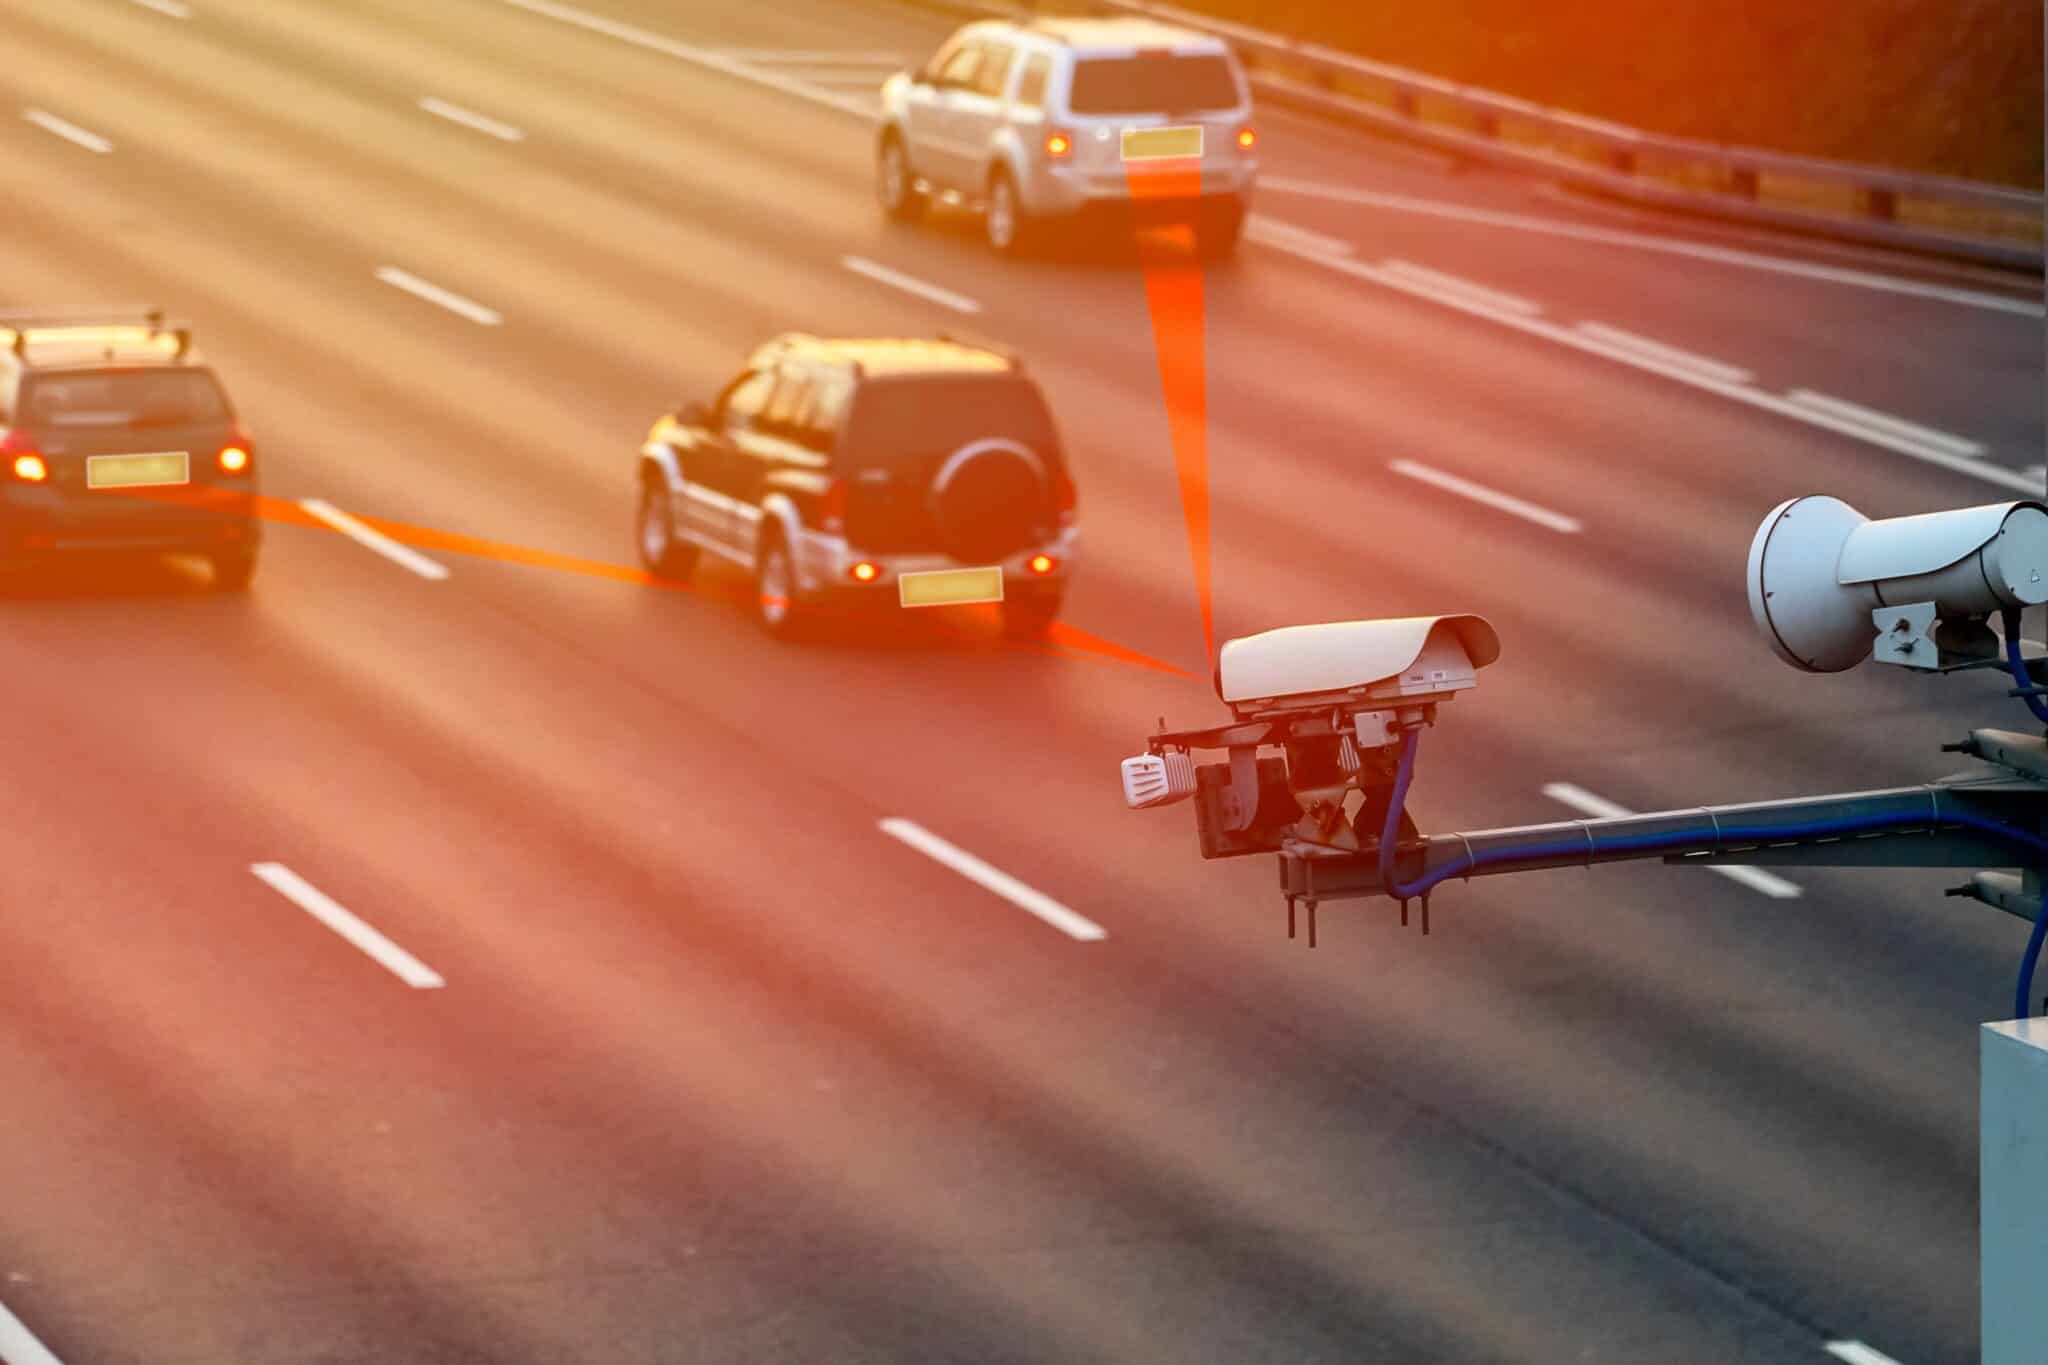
[{"x": 1966, "y": 219}]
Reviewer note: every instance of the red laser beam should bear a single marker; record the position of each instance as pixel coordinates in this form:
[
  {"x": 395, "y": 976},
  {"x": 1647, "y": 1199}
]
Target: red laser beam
[{"x": 1173, "y": 294}]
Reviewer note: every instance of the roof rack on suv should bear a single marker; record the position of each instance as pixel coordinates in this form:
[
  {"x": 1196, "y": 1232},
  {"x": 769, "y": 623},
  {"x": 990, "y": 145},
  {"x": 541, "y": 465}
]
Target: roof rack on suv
[
  {"x": 981, "y": 343},
  {"x": 20, "y": 324}
]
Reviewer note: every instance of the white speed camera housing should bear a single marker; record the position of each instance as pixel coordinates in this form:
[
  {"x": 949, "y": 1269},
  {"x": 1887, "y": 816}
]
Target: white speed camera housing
[
  {"x": 1828, "y": 586},
  {"x": 1349, "y": 663}
]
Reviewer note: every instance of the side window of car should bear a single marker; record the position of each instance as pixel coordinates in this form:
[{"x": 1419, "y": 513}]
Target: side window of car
[
  {"x": 1031, "y": 85},
  {"x": 785, "y": 413},
  {"x": 831, "y": 395},
  {"x": 993, "y": 75},
  {"x": 958, "y": 71},
  {"x": 743, "y": 399}
]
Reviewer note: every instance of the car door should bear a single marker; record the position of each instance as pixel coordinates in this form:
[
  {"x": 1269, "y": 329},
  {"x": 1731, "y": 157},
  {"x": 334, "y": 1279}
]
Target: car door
[
  {"x": 711, "y": 463},
  {"x": 978, "y": 112},
  {"x": 771, "y": 444},
  {"x": 945, "y": 162}
]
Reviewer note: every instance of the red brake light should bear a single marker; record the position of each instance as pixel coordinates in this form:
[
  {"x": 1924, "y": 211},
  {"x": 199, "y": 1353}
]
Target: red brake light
[
  {"x": 864, "y": 572},
  {"x": 20, "y": 454},
  {"x": 1042, "y": 564},
  {"x": 236, "y": 454},
  {"x": 832, "y": 511},
  {"x": 1247, "y": 138},
  {"x": 1058, "y": 143}
]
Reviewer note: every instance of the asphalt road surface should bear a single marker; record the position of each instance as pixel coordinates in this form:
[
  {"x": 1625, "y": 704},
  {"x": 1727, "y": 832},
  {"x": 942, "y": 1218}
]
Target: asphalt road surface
[{"x": 677, "y": 1045}]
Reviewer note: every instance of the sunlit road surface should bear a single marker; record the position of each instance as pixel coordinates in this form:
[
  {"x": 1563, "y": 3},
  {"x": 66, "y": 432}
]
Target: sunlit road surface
[{"x": 712, "y": 1067}]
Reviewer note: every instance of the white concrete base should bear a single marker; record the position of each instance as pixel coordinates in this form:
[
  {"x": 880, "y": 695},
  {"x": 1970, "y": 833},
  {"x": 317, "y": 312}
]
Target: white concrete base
[{"x": 2013, "y": 1223}]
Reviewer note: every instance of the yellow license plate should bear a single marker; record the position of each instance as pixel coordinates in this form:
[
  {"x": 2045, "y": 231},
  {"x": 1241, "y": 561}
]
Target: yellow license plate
[
  {"x": 948, "y": 587},
  {"x": 138, "y": 471},
  {"x": 1151, "y": 144}
]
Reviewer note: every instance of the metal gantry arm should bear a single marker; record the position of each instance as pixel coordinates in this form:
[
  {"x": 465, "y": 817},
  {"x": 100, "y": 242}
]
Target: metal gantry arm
[{"x": 1997, "y": 819}]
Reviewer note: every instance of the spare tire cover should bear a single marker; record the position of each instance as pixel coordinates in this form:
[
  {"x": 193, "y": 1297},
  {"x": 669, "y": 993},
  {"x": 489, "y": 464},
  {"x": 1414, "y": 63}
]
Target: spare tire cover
[{"x": 990, "y": 500}]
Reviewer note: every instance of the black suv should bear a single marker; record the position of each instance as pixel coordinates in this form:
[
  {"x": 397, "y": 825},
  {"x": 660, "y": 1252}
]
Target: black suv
[
  {"x": 841, "y": 472},
  {"x": 115, "y": 437}
]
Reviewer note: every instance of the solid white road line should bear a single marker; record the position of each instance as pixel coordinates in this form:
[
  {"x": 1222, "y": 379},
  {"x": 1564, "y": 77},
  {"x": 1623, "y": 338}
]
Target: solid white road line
[
  {"x": 314, "y": 902},
  {"x": 686, "y": 52},
  {"x": 435, "y": 294},
  {"x": 994, "y": 879},
  {"x": 1503, "y": 502},
  {"x": 1600, "y": 808},
  {"x": 1458, "y": 286},
  {"x": 1884, "y": 421},
  {"x": 455, "y": 113},
  {"x": 1752, "y": 260},
  {"x": 18, "y": 1345},
  {"x": 70, "y": 132},
  {"x": 403, "y": 555},
  {"x": 1713, "y": 369},
  {"x": 910, "y": 284},
  {"x": 170, "y": 7},
  {"x": 1685, "y": 374},
  {"x": 1259, "y": 227},
  {"x": 1856, "y": 1353}
]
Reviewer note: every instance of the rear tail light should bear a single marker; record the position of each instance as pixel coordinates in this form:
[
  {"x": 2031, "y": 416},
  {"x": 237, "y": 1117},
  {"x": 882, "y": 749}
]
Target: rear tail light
[
  {"x": 235, "y": 456},
  {"x": 1059, "y": 143},
  {"x": 1247, "y": 138},
  {"x": 1042, "y": 564},
  {"x": 832, "y": 510},
  {"x": 22, "y": 459},
  {"x": 864, "y": 572}
]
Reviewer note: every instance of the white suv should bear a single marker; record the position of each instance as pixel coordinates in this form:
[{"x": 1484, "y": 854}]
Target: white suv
[{"x": 1060, "y": 118}]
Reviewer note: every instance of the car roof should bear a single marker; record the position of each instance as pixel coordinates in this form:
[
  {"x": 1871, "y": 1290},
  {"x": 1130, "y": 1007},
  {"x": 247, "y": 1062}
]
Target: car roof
[
  {"x": 878, "y": 356},
  {"x": 1121, "y": 35},
  {"x": 60, "y": 342}
]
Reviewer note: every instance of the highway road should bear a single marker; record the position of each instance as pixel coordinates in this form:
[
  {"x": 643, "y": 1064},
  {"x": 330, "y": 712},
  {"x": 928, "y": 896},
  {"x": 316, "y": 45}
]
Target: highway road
[{"x": 676, "y": 1042}]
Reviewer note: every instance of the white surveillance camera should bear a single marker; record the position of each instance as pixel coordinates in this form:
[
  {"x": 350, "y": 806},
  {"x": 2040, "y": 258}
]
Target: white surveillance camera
[
  {"x": 1352, "y": 664},
  {"x": 1828, "y": 586}
]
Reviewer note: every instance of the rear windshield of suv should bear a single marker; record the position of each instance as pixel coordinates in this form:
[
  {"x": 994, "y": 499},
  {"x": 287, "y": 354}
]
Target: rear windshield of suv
[
  {"x": 916, "y": 418},
  {"x": 1152, "y": 83},
  {"x": 131, "y": 398}
]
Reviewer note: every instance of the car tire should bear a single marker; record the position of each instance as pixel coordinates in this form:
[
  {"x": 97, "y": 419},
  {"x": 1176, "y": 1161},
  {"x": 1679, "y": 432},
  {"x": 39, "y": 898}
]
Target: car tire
[
  {"x": 1009, "y": 229},
  {"x": 776, "y": 606},
  {"x": 894, "y": 183},
  {"x": 1218, "y": 228},
  {"x": 1028, "y": 615},
  {"x": 232, "y": 570},
  {"x": 665, "y": 554}
]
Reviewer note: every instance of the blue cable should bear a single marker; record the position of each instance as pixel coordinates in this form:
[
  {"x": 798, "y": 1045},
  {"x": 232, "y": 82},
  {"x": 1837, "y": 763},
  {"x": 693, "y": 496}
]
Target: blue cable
[
  {"x": 2016, "y": 664},
  {"x": 1819, "y": 829}
]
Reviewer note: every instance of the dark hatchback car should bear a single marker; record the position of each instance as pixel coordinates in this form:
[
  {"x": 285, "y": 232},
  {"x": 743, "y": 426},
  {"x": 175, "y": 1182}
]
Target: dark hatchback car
[
  {"x": 116, "y": 438},
  {"x": 878, "y": 472}
]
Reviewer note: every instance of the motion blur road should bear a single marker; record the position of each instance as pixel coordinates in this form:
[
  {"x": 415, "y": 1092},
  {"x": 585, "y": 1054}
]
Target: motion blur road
[{"x": 718, "y": 1069}]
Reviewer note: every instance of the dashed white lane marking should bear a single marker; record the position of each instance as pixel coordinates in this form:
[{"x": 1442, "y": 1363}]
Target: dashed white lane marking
[
  {"x": 435, "y": 294},
  {"x": 18, "y": 1345},
  {"x": 1480, "y": 493},
  {"x": 1982, "y": 470},
  {"x": 402, "y": 555},
  {"x": 1260, "y": 228},
  {"x": 1753, "y": 260},
  {"x": 1856, "y": 1353},
  {"x": 1600, "y": 808},
  {"x": 320, "y": 906},
  {"x": 910, "y": 284},
  {"x": 170, "y": 7},
  {"x": 1713, "y": 369},
  {"x": 1458, "y": 287},
  {"x": 69, "y": 131},
  {"x": 1884, "y": 421},
  {"x": 482, "y": 123},
  {"x": 1068, "y": 922},
  {"x": 685, "y": 52}
]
